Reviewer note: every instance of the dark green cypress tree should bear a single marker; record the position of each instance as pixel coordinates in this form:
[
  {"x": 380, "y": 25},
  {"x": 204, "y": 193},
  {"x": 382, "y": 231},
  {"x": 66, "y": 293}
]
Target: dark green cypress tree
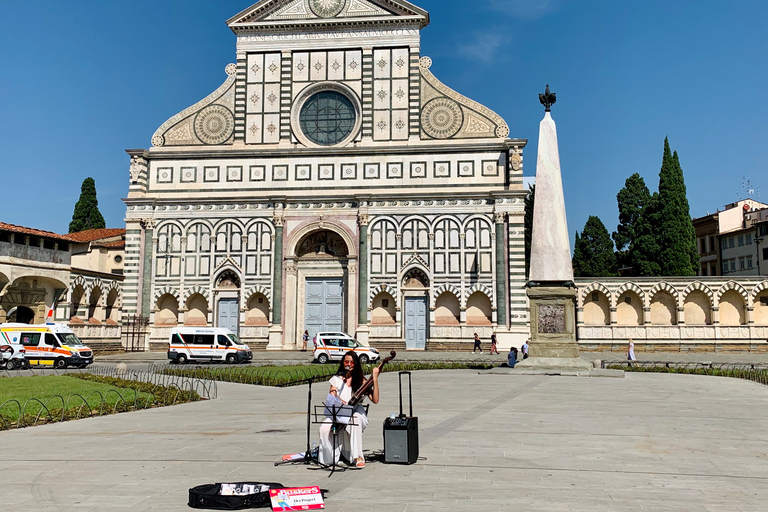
[
  {"x": 632, "y": 201},
  {"x": 677, "y": 236},
  {"x": 645, "y": 251},
  {"x": 87, "y": 215},
  {"x": 593, "y": 254},
  {"x": 530, "y": 199}
]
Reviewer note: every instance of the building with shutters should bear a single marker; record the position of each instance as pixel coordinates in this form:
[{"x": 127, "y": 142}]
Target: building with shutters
[{"x": 331, "y": 183}]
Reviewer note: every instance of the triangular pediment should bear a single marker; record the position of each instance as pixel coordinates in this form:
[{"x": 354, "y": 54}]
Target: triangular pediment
[{"x": 276, "y": 13}]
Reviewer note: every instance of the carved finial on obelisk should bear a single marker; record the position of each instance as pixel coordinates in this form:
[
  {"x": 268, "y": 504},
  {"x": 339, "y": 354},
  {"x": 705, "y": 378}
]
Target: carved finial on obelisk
[{"x": 547, "y": 99}]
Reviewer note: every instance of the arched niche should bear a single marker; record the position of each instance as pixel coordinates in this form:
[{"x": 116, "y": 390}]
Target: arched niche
[
  {"x": 383, "y": 309},
  {"x": 629, "y": 309},
  {"x": 447, "y": 309},
  {"x": 197, "y": 310},
  {"x": 167, "y": 310},
  {"x": 597, "y": 309},
  {"x": 258, "y": 310},
  {"x": 478, "y": 309},
  {"x": 732, "y": 309},
  {"x": 663, "y": 309},
  {"x": 697, "y": 309},
  {"x": 323, "y": 243}
]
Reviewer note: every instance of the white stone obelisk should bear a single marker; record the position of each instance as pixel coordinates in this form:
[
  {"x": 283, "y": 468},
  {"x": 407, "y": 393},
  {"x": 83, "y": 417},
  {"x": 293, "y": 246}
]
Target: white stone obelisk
[
  {"x": 550, "y": 244},
  {"x": 551, "y": 292}
]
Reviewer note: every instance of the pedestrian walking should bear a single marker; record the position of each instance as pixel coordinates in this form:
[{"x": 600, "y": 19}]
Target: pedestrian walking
[
  {"x": 305, "y": 339},
  {"x": 524, "y": 348},
  {"x": 631, "y": 351},
  {"x": 512, "y": 357},
  {"x": 494, "y": 350},
  {"x": 477, "y": 344}
]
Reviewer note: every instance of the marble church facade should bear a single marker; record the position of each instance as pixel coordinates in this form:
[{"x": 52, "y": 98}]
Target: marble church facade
[{"x": 331, "y": 183}]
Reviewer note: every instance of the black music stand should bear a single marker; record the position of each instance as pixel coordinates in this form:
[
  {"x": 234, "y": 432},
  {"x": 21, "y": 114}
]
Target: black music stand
[{"x": 340, "y": 417}]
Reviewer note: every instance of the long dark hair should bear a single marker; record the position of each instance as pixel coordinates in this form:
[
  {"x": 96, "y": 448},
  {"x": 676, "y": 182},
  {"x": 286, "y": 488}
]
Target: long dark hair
[{"x": 357, "y": 371}]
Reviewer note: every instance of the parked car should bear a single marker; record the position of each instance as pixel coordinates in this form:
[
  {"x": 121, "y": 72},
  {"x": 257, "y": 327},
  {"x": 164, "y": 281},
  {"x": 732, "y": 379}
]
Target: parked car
[
  {"x": 331, "y": 346},
  {"x": 11, "y": 356}
]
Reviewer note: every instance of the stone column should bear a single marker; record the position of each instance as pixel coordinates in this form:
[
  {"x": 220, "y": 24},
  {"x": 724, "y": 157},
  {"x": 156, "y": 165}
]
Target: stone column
[
  {"x": 501, "y": 282},
  {"x": 145, "y": 301},
  {"x": 276, "y": 329},
  {"x": 363, "y": 329}
]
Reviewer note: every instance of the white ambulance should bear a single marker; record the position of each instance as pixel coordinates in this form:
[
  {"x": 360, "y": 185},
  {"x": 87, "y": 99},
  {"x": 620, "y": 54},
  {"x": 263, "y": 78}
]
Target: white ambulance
[
  {"x": 47, "y": 344},
  {"x": 206, "y": 344}
]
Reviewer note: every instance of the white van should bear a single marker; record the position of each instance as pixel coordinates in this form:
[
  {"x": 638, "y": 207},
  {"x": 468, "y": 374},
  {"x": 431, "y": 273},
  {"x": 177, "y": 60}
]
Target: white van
[
  {"x": 206, "y": 344},
  {"x": 48, "y": 344}
]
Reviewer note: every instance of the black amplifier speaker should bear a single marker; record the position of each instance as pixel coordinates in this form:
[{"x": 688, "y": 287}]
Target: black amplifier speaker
[{"x": 401, "y": 433}]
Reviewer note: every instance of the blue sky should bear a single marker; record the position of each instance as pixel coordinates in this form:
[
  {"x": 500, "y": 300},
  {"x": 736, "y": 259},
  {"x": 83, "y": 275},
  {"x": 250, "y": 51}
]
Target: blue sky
[{"x": 83, "y": 81}]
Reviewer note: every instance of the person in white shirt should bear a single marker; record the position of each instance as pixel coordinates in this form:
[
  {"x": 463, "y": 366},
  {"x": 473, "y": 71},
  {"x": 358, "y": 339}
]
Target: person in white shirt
[
  {"x": 631, "y": 351},
  {"x": 343, "y": 387}
]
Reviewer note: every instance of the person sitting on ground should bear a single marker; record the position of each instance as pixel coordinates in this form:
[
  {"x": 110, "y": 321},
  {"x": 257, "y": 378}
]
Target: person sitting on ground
[{"x": 512, "y": 357}]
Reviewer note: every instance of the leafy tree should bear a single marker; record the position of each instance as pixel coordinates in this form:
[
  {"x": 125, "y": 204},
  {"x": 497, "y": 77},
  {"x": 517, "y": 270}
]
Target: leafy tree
[
  {"x": 593, "y": 254},
  {"x": 87, "y": 215},
  {"x": 677, "y": 235},
  {"x": 632, "y": 199},
  {"x": 530, "y": 199},
  {"x": 645, "y": 251}
]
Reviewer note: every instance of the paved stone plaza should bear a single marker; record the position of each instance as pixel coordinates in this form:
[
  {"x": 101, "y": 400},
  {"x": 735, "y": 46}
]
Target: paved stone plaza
[{"x": 488, "y": 442}]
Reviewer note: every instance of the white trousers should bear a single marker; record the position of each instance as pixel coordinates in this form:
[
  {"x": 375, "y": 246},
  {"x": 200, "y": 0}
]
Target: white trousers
[{"x": 349, "y": 440}]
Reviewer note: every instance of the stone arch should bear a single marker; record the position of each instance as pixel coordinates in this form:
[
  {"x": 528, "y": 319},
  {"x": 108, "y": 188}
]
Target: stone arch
[
  {"x": 96, "y": 298},
  {"x": 257, "y": 307},
  {"x": 79, "y": 281},
  {"x": 112, "y": 304},
  {"x": 415, "y": 271},
  {"x": 445, "y": 287},
  {"x": 732, "y": 285},
  {"x": 167, "y": 309},
  {"x": 698, "y": 285},
  {"x": 597, "y": 312},
  {"x": 598, "y": 287},
  {"x": 198, "y": 307},
  {"x": 635, "y": 288},
  {"x": 479, "y": 287},
  {"x": 666, "y": 287},
  {"x": 469, "y": 219},
  {"x": 384, "y": 313},
  {"x": 663, "y": 304},
  {"x": 381, "y": 288},
  {"x": 259, "y": 289},
  {"x": 760, "y": 312},
  {"x": 447, "y": 308},
  {"x": 228, "y": 220},
  {"x": 479, "y": 309},
  {"x": 228, "y": 276},
  {"x": 298, "y": 236},
  {"x": 159, "y": 292},
  {"x": 204, "y": 291}
]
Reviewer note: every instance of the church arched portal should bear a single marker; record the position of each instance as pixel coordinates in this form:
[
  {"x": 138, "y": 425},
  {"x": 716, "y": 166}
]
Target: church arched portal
[
  {"x": 415, "y": 289},
  {"x": 321, "y": 276},
  {"x": 227, "y": 302}
]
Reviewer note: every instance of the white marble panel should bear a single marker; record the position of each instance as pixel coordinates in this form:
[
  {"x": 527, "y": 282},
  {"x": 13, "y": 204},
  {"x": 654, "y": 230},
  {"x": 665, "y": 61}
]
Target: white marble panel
[
  {"x": 382, "y": 94},
  {"x": 400, "y": 125},
  {"x": 400, "y": 94},
  {"x": 272, "y": 98},
  {"x": 253, "y": 129},
  {"x": 400, "y": 62},
  {"x": 254, "y": 98},
  {"x": 336, "y": 66},
  {"x": 356, "y": 86},
  {"x": 381, "y": 125},
  {"x": 354, "y": 64},
  {"x": 318, "y": 66},
  {"x": 271, "y": 128},
  {"x": 381, "y": 64},
  {"x": 300, "y": 67},
  {"x": 255, "y": 65},
  {"x": 272, "y": 62}
]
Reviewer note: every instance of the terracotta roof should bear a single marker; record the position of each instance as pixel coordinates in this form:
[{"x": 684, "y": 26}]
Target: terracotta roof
[
  {"x": 91, "y": 235},
  {"x": 35, "y": 232},
  {"x": 118, "y": 243}
]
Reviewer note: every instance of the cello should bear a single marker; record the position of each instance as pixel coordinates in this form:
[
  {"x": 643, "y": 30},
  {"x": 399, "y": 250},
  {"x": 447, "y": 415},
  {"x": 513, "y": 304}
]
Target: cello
[{"x": 367, "y": 385}]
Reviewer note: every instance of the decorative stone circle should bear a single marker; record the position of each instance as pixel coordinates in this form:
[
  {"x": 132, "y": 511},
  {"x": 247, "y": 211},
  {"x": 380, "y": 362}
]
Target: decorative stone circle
[
  {"x": 158, "y": 141},
  {"x": 425, "y": 63},
  {"x": 214, "y": 124},
  {"x": 502, "y": 130},
  {"x": 327, "y": 8},
  {"x": 441, "y": 118},
  {"x": 231, "y": 69}
]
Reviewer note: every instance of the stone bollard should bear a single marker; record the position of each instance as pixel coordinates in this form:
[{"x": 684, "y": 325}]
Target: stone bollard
[{"x": 597, "y": 363}]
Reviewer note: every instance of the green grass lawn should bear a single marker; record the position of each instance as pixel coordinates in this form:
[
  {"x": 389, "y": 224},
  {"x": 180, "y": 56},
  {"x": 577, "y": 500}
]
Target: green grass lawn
[{"x": 45, "y": 389}]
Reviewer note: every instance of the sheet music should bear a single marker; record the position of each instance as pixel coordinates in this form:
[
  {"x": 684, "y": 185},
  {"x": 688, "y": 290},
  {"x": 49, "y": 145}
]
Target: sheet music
[{"x": 334, "y": 405}]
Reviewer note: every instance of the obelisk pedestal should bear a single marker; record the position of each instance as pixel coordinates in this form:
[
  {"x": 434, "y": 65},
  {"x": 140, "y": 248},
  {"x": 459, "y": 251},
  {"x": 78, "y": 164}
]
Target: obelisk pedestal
[{"x": 551, "y": 291}]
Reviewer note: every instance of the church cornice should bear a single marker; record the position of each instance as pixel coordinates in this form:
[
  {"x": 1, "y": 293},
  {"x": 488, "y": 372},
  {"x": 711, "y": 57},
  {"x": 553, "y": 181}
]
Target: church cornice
[
  {"x": 271, "y": 27},
  {"x": 476, "y": 146}
]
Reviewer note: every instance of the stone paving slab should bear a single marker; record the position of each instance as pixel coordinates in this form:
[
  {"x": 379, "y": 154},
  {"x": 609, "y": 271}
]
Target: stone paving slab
[{"x": 487, "y": 442}]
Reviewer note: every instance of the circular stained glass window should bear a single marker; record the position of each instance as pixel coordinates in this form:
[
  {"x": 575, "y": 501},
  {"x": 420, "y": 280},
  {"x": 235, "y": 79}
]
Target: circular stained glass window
[{"x": 327, "y": 118}]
